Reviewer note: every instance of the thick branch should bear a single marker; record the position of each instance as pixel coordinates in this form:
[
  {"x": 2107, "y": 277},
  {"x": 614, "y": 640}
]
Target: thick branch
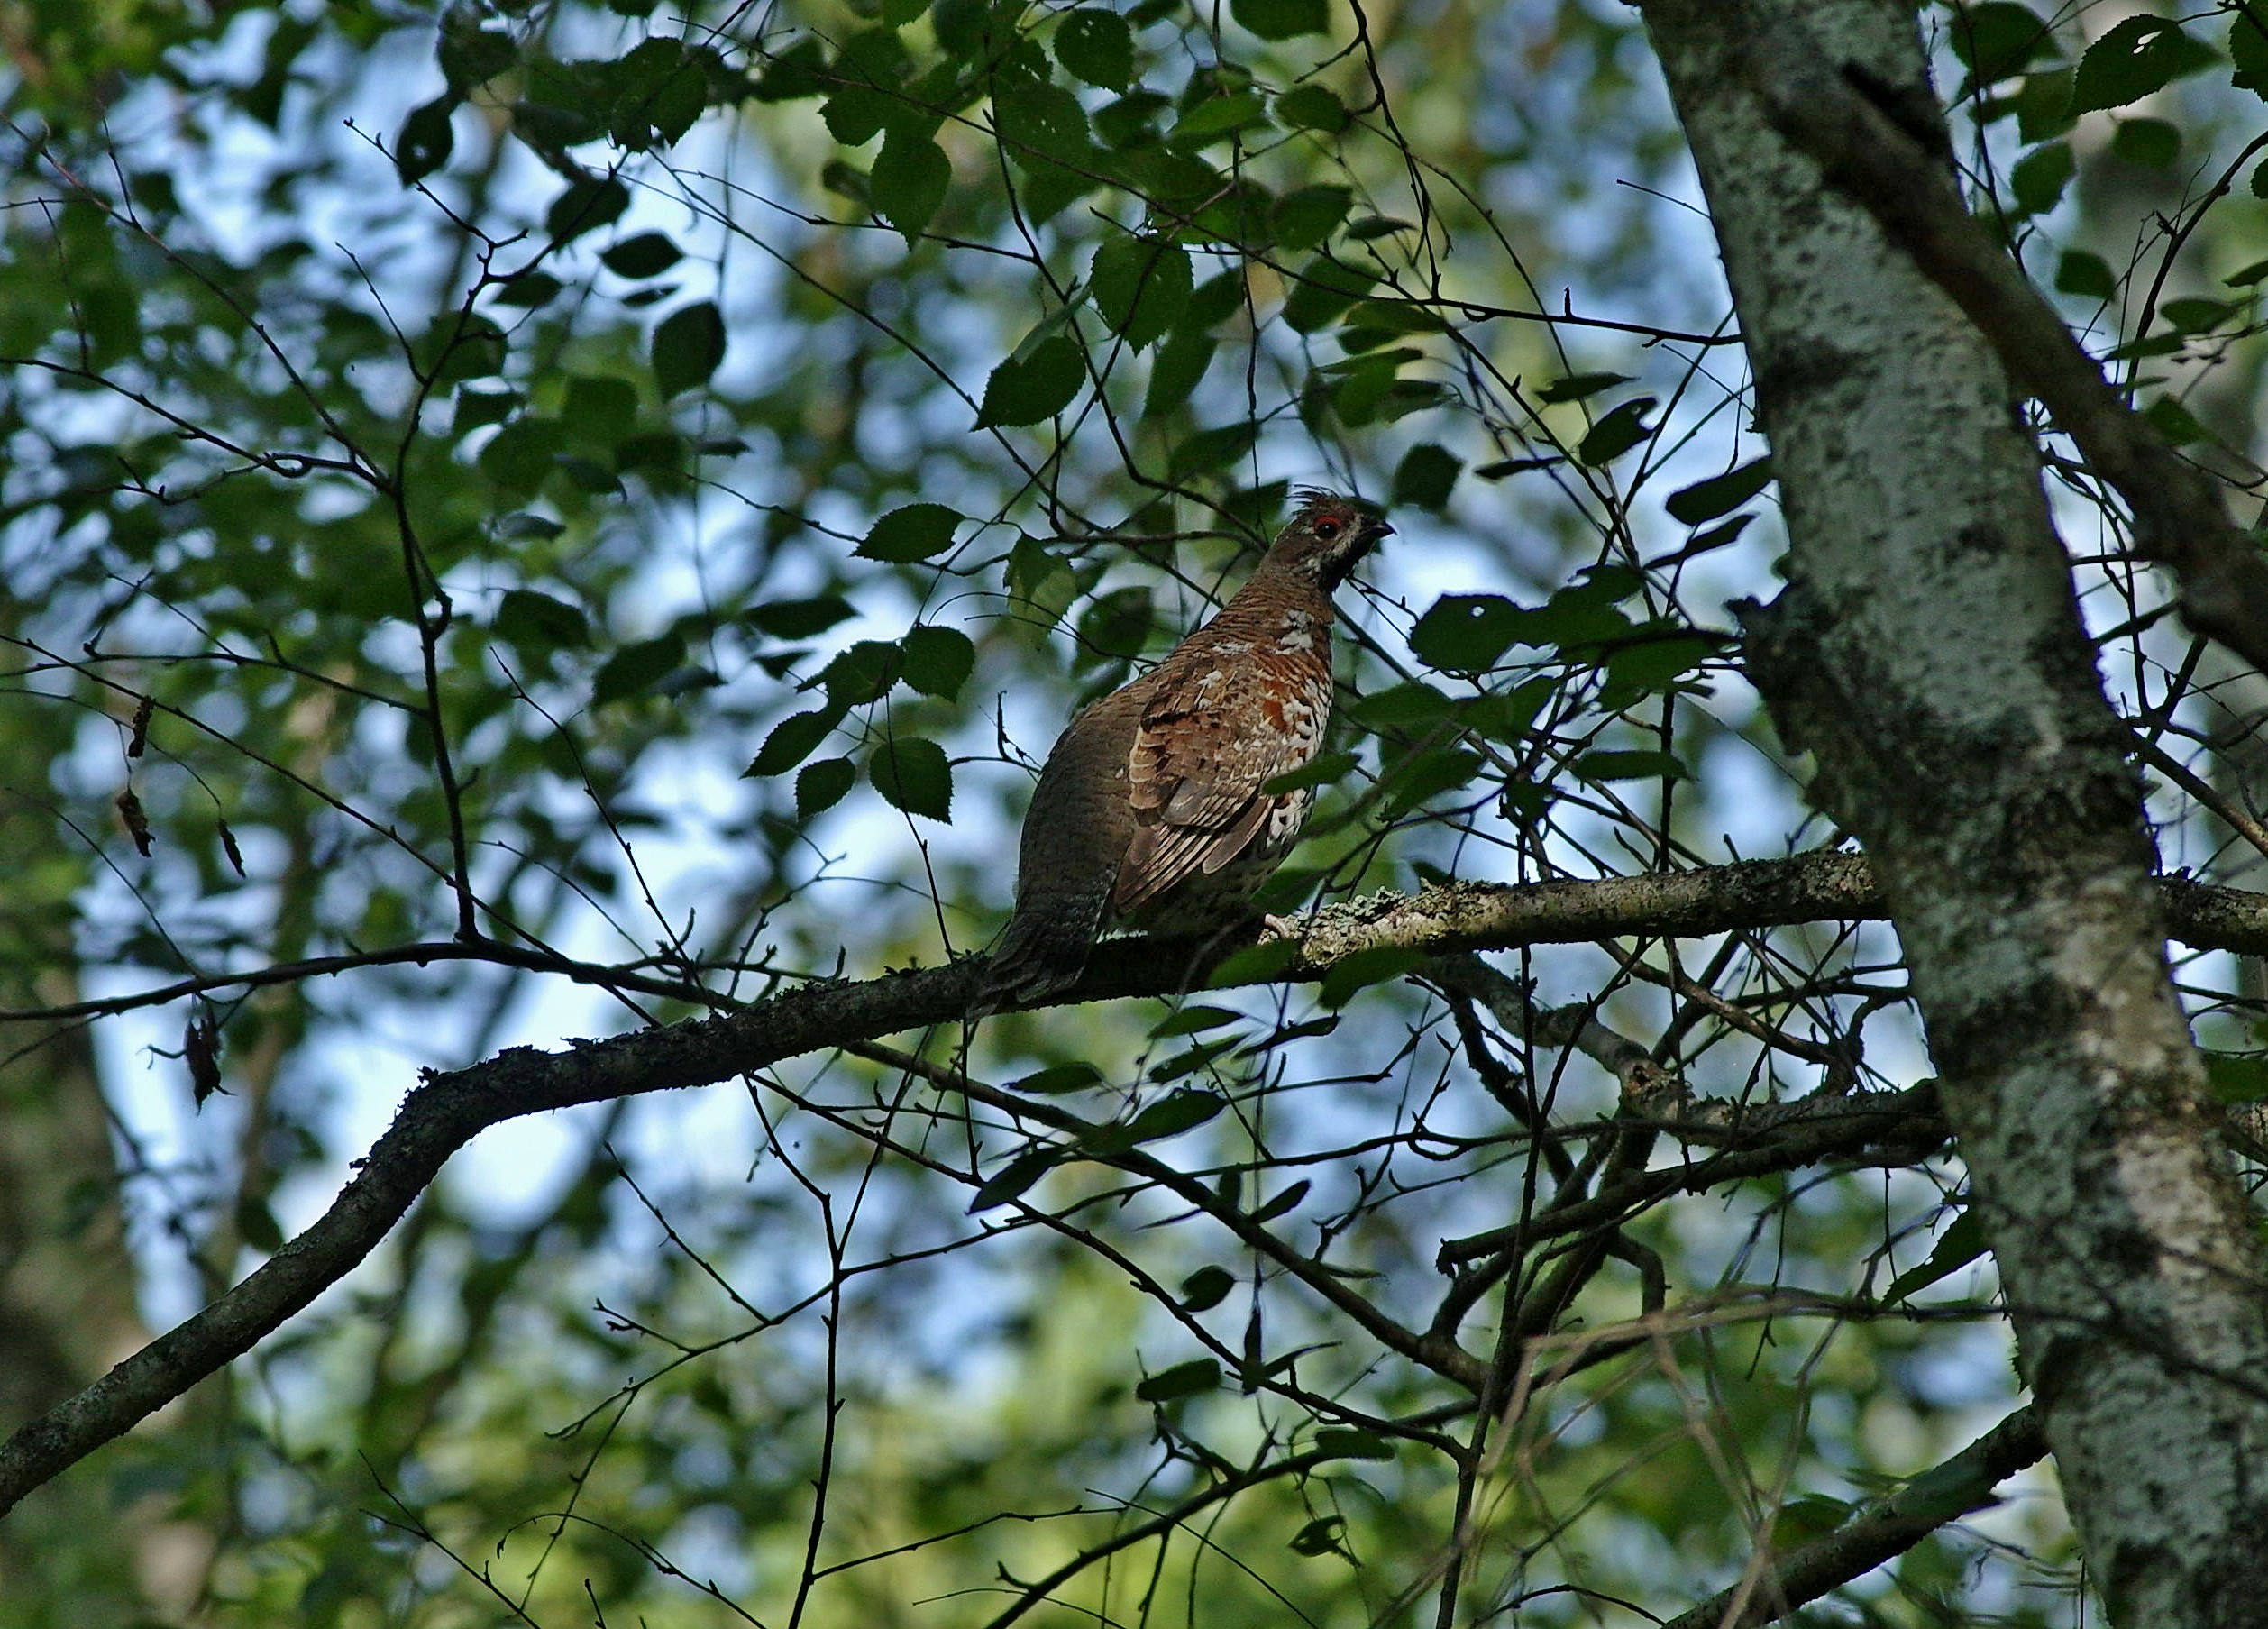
[
  {"x": 445, "y": 1110},
  {"x": 1881, "y": 1531},
  {"x": 1909, "y": 190}
]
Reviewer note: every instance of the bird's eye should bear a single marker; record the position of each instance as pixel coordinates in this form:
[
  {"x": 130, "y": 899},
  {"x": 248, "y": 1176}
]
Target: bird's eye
[{"x": 1326, "y": 529}]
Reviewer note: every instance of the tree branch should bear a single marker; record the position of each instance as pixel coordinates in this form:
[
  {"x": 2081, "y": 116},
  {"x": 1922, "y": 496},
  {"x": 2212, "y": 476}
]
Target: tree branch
[
  {"x": 445, "y": 1110},
  {"x": 1909, "y": 190},
  {"x": 1883, "y": 1530}
]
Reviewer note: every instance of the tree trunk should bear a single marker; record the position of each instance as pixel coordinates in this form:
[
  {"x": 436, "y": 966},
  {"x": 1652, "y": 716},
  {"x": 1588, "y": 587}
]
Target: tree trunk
[{"x": 1928, "y": 650}]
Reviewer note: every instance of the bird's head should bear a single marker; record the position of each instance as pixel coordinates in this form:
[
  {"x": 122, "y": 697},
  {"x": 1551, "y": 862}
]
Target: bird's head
[{"x": 1326, "y": 537}]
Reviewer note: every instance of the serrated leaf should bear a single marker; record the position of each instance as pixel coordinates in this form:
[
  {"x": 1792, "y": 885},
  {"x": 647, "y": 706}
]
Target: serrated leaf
[
  {"x": 637, "y": 668},
  {"x": 862, "y": 674},
  {"x": 1193, "y": 1019},
  {"x": 791, "y": 741},
  {"x": 910, "y": 179},
  {"x": 1177, "y": 371},
  {"x": 1218, "y": 117},
  {"x": 1025, "y": 391},
  {"x": 1209, "y": 450},
  {"x": 1720, "y": 494},
  {"x": 1322, "y": 288},
  {"x": 1142, "y": 286},
  {"x": 1171, "y": 1115},
  {"x": 1096, "y": 46},
  {"x": 1206, "y": 1288},
  {"x": 800, "y": 618},
  {"x": 1011, "y": 1180},
  {"x": 910, "y": 533},
  {"x": 1282, "y": 19},
  {"x": 940, "y": 661},
  {"x": 820, "y": 785},
  {"x": 688, "y": 345},
  {"x": 914, "y": 775},
  {"x": 2132, "y": 59},
  {"x": 2248, "y": 49},
  {"x": 1420, "y": 779},
  {"x": 1306, "y": 216},
  {"x": 1998, "y": 39},
  {"x": 642, "y": 255},
  {"x": 1182, "y": 1380}
]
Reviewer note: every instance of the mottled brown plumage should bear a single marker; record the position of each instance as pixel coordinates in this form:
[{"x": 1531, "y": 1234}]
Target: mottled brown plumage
[{"x": 1150, "y": 812}]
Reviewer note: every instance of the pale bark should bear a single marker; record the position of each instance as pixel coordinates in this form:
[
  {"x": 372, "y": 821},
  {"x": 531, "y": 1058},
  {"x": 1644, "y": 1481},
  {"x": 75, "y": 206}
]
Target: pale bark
[{"x": 1928, "y": 650}]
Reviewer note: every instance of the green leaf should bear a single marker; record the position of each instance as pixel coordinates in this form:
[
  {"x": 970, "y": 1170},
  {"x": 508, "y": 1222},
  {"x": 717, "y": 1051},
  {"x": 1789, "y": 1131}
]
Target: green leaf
[
  {"x": 1177, "y": 368},
  {"x": 519, "y": 455},
  {"x": 1182, "y": 1380},
  {"x": 1465, "y": 633},
  {"x": 587, "y": 205},
  {"x": 940, "y": 661},
  {"x": 1119, "y": 623},
  {"x": 1209, "y": 450},
  {"x": 913, "y": 533},
  {"x": 1193, "y": 1020},
  {"x": 687, "y": 347},
  {"x": 1254, "y": 964},
  {"x": 1282, "y": 19},
  {"x": 637, "y": 668},
  {"x": 1425, "y": 475},
  {"x": 1997, "y": 39},
  {"x": 2248, "y": 49},
  {"x": 646, "y": 254},
  {"x": 1505, "y": 468},
  {"x": 1142, "y": 286},
  {"x": 2196, "y": 316},
  {"x": 427, "y": 140},
  {"x": 476, "y": 408},
  {"x": 1419, "y": 780},
  {"x": 471, "y": 56},
  {"x": 1283, "y": 1203},
  {"x": 913, "y": 774},
  {"x": 1645, "y": 764},
  {"x": 1344, "y": 1443},
  {"x": 863, "y": 673},
  {"x": 1358, "y": 971},
  {"x": 2151, "y": 143},
  {"x": 1577, "y": 387},
  {"x": 1096, "y": 46},
  {"x": 528, "y": 291},
  {"x": 800, "y": 618},
  {"x": 2237, "y": 1077},
  {"x": 1216, "y": 118},
  {"x": 1961, "y": 1242},
  {"x": 793, "y": 739},
  {"x": 1206, "y": 1288},
  {"x": 1024, "y": 390},
  {"x": 2086, "y": 274},
  {"x": 1063, "y": 1077},
  {"x": 1322, "y": 288},
  {"x": 819, "y": 786},
  {"x": 1319, "y": 1536},
  {"x": 1011, "y": 1180},
  {"x": 2132, "y": 59},
  {"x": 2038, "y": 182},
  {"x": 537, "y": 621},
  {"x": 909, "y": 181},
  {"x": 2246, "y": 276},
  {"x": 1312, "y": 107},
  {"x": 1306, "y": 216},
  {"x": 2174, "y": 422},
  {"x": 1170, "y": 1116},
  {"x": 1720, "y": 494},
  {"x": 1411, "y": 706},
  {"x": 1618, "y": 430}
]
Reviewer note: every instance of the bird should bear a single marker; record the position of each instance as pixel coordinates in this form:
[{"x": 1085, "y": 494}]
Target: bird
[{"x": 1152, "y": 811}]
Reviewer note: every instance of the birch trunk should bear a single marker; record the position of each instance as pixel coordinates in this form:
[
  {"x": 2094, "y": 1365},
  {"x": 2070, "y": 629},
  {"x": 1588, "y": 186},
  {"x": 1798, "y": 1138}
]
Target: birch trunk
[{"x": 1928, "y": 650}]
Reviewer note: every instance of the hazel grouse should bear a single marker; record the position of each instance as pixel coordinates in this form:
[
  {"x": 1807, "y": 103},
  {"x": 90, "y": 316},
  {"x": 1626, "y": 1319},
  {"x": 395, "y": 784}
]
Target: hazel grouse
[{"x": 1151, "y": 811}]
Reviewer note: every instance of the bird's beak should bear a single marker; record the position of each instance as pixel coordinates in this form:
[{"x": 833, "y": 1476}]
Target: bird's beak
[{"x": 1375, "y": 530}]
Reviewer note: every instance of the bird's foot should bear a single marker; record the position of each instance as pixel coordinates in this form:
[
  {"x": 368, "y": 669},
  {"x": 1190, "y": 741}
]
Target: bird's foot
[{"x": 1273, "y": 927}]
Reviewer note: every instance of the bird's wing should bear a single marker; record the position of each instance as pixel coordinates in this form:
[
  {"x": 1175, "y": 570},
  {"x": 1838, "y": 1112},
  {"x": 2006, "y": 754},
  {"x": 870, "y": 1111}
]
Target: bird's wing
[{"x": 1201, "y": 754}]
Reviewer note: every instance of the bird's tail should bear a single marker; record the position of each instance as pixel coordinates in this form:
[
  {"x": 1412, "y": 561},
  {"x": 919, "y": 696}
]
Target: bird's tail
[{"x": 1043, "y": 951}]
